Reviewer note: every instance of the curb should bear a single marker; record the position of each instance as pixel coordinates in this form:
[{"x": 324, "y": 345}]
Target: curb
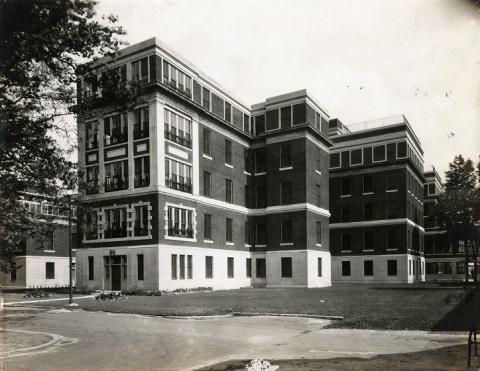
[{"x": 253, "y": 314}]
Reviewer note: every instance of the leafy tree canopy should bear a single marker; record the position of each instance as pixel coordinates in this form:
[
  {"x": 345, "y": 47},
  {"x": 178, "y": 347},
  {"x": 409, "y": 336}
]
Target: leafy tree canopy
[{"x": 41, "y": 46}]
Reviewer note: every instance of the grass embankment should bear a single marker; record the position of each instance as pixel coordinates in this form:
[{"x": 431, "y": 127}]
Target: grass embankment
[{"x": 413, "y": 307}]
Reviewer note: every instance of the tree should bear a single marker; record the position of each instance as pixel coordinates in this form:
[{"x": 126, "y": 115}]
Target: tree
[
  {"x": 458, "y": 210},
  {"x": 42, "y": 44}
]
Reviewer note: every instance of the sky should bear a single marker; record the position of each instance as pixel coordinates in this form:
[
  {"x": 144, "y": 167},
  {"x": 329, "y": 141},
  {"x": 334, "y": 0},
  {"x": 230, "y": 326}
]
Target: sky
[{"x": 360, "y": 60}]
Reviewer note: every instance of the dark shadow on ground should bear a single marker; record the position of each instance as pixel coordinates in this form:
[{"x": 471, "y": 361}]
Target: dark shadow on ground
[
  {"x": 464, "y": 315},
  {"x": 448, "y": 359}
]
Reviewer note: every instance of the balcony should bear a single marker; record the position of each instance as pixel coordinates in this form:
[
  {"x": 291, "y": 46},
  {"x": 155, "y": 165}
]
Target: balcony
[
  {"x": 185, "y": 142},
  {"x": 116, "y": 137},
  {"x": 116, "y": 230},
  {"x": 140, "y": 131},
  {"x": 142, "y": 181},
  {"x": 140, "y": 231},
  {"x": 91, "y": 187},
  {"x": 91, "y": 143},
  {"x": 179, "y": 186},
  {"x": 182, "y": 232},
  {"x": 115, "y": 184}
]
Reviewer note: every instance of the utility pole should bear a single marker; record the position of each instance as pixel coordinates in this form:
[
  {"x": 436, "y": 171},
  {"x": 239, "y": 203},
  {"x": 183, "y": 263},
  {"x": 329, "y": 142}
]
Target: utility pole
[{"x": 70, "y": 301}]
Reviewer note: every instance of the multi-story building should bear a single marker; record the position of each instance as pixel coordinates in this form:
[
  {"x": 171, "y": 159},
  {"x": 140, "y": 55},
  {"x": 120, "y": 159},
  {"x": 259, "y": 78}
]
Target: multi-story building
[
  {"x": 376, "y": 202},
  {"x": 42, "y": 261},
  {"x": 188, "y": 187},
  {"x": 444, "y": 259}
]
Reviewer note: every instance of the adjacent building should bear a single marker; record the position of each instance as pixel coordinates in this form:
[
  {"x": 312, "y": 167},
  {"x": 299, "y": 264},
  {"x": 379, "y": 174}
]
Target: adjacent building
[
  {"x": 42, "y": 261},
  {"x": 186, "y": 186},
  {"x": 445, "y": 260},
  {"x": 376, "y": 202}
]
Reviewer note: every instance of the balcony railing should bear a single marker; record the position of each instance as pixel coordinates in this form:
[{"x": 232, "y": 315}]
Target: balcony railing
[
  {"x": 139, "y": 131},
  {"x": 179, "y": 186},
  {"x": 181, "y": 232},
  {"x": 115, "y": 184},
  {"x": 142, "y": 181},
  {"x": 116, "y": 230},
  {"x": 140, "y": 231},
  {"x": 115, "y": 138},
  {"x": 183, "y": 141},
  {"x": 91, "y": 187}
]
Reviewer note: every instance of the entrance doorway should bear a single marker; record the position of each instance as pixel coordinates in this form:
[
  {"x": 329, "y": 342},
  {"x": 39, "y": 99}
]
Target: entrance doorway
[
  {"x": 116, "y": 270},
  {"x": 116, "y": 277}
]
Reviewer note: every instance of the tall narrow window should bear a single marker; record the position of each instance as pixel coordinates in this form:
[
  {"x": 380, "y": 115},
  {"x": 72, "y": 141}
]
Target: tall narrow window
[
  {"x": 259, "y": 124},
  {"x": 228, "y": 112},
  {"x": 247, "y": 196},
  {"x": 228, "y": 152},
  {"x": 260, "y": 161},
  {"x": 346, "y": 242},
  {"x": 207, "y": 184},
  {"x": 207, "y": 150},
  {"x": 318, "y": 195},
  {"x": 141, "y": 220},
  {"x": 247, "y": 234},
  {"x": 285, "y": 155},
  {"x": 318, "y": 160},
  {"x": 346, "y": 268},
  {"x": 319, "y": 267},
  {"x": 368, "y": 241},
  {"x": 189, "y": 267},
  {"x": 285, "y": 193},
  {"x": 346, "y": 191},
  {"x": 140, "y": 273},
  {"x": 174, "y": 266},
  {"x": 230, "y": 267},
  {"x": 90, "y": 268},
  {"x": 209, "y": 267},
  {"x": 286, "y": 231},
  {"x": 50, "y": 271},
  {"x": 367, "y": 184},
  {"x": 286, "y": 264},
  {"x": 207, "y": 227},
  {"x": 229, "y": 230},
  {"x": 206, "y": 98},
  {"x": 368, "y": 267},
  {"x": 319, "y": 233},
  {"x": 229, "y": 190},
  {"x": 246, "y": 161},
  {"x": 392, "y": 240},
  {"x": 248, "y": 268},
  {"x": 182, "y": 267},
  {"x": 392, "y": 267},
  {"x": 261, "y": 268},
  {"x": 367, "y": 211},
  {"x": 334, "y": 160}
]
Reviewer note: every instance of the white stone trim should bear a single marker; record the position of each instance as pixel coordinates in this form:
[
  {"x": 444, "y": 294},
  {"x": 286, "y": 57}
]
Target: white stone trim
[{"x": 371, "y": 223}]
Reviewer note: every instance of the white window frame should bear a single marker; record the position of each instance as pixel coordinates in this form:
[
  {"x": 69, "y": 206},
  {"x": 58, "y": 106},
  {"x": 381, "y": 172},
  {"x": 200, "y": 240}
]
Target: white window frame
[
  {"x": 384, "y": 153},
  {"x": 339, "y": 160},
  {"x": 194, "y": 222},
  {"x": 140, "y": 68},
  {"x": 278, "y": 120},
  {"x": 361, "y": 152},
  {"x": 406, "y": 150}
]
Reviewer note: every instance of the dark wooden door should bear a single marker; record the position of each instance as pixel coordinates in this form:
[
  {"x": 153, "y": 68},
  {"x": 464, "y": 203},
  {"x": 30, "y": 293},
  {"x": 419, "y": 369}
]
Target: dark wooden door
[{"x": 116, "y": 277}]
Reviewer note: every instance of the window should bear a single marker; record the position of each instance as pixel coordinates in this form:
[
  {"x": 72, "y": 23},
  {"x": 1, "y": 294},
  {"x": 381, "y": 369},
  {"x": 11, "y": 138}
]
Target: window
[
  {"x": 345, "y": 268},
  {"x": 401, "y": 150},
  {"x": 367, "y": 211},
  {"x": 206, "y": 98},
  {"x": 91, "y": 135},
  {"x": 431, "y": 189},
  {"x": 379, "y": 153},
  {"x": 356, "y": 157},
  {"x": 182, "y": 267},
  {"x": 260, "y": 161},
  {"x": 207, "y": 149},
  {"x": 140, "y": 127},
  {"x": 261, "y": 268},
  {"x": 409, "y": 267},
  {"x": 319, "y": 233},
  {"x": 140, "y": 272},
  {"x": 189, "y": 267},
  {"x": 392, "y": 209},
  {"x": 115, "y": 129},
  {"x": 115, "y": 223},
  {"x": 230, "y": 269},
  {"x": 367, "y": 184},
  {"x": 246, "y": 123},
  {"x": 174, "y": 266},
  {"x": 259, "y": 124},
  {"x": 207, "y": 227},
  {"x": 299, "y": 114},
  {"x": 228, "y": 112},
  {"x": 142, "y": 172},
  {"x": 368, "y": 241},
  {"x": 345, "y": 242},
  {"x": 285, "y": 193},
  {"x": 141, "y": 220},
  {"x": 48, "y": 242},
  {"x": 228, "y": 151},
  {"x": 218, "y": 106},
  {"x": 286, "y": 267},
  {"x": 368, "y": 267},
  {"x": 237, "y": 117},
  {"x": 140, "y": 70},
  {"x": 229, "y": 230},
  {"x": 13, "y": 271},
  {"x": 391, "y": 180},
  {"x": 180, "y": 222},
  {"x": 197, "y": 92},
  {"x": 261, "y": 197},
  {"x": 229, "y": 190},
  {"x": 178, "y": 129},
  {"x": 286, "y": 116},
  {"x": 247, "y": 161},
  {"x": 261, "y": 234},
  {"x": 334, "y": 160},
  {"x": 392, "y": 240},
  {"x": 90, "y": 268},
  {"x": 207, "y": 184},
  {"x": 319, "y": 267},
  {"x": 345, "y": 213},
  {"x": 49, "y": 271},
  {"x": 318, "y": 195},
  {"x": 209, "y": 267},
  {"x": 392, "y": 267},
  {"x": 248, "y": 239},
  {"x": 93, "y": 177},
  {"x": 285, "y": 155},
  {"x": 116, "y": 176},
  {"x": 272, "y": 119},
  {"x": 178, "y": 175},
  {"x": 286, "y": 231},
  {"x": 346, "y": 186},
  {"x": 461, "y": 268},
  {"x": 248, "y": 263},
  {"x": 247, "y": 196}
]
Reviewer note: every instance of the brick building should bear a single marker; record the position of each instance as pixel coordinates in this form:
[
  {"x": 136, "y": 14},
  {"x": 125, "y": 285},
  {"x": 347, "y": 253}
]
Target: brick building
[
  {"x": 376, "y": 202},
  {"x": 42, "y": 261},
  {"x": 444, "y": 259},
  {"x": 189, "y": 187}
]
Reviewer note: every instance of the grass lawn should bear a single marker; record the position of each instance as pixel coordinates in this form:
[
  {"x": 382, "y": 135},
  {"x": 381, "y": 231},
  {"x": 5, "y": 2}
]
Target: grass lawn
[
  {"x": 413, "y": 307},
  {"x": 449, "y": 358}
]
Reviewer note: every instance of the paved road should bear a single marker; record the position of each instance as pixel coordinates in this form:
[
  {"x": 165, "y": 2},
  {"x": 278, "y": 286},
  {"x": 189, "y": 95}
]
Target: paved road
[{"x": 96, "y": 340}]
